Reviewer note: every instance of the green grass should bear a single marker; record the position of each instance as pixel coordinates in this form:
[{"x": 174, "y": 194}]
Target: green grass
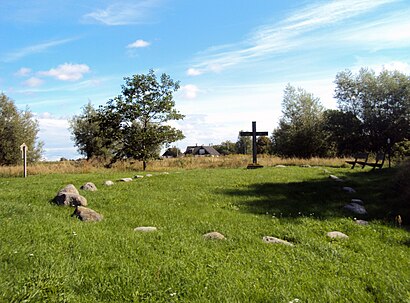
[{"x": 48, "y": 256}]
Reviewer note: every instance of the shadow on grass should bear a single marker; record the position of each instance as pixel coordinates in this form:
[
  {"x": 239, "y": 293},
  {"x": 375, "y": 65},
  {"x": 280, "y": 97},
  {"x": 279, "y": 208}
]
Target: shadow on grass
[{"x": 322, "y": 198}]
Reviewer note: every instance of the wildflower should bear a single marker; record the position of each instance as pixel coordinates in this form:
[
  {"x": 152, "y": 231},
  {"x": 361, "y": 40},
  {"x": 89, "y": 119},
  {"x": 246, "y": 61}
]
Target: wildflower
[{"x": 31, "y": 255}]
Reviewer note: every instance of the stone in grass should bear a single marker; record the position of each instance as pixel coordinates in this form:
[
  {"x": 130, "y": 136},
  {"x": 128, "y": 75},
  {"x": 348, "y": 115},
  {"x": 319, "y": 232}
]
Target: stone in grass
[
  {"x": 362, "y": 222},
  {"x": 214, "y": 236},
  {"x": 148, "y": 175},
  {"x": 89, "y": 186},
  {"x": 138, "y": 177},
  {"x": 335, "y": 178},
  {"x": 145, "y": 229},
  {"x": 87, "y": 214},
  {"x": 306, "y": 165},
  {"x": 273, "y": 240},
  {"x": 356, "y": 208},
  {"x": 108, "y": 183},
  {"x": 357, "y": 201},
  {"x": 280, "y": 166},
  {"x": 348, "y": 189},
  {"x": 69, "y": 196},
  {"x": 126, "y": 179},
  {"x": 337, "y": 235}
]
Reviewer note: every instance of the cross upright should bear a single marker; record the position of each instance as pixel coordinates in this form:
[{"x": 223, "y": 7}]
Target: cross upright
[{"x": 253, "y": 133}]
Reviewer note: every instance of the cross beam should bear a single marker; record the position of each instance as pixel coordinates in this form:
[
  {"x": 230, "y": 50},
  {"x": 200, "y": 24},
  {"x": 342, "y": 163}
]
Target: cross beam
[{"x": 254, "y": 134}]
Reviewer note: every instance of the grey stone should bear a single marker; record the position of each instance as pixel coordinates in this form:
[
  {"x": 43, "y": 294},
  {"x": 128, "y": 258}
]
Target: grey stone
[
  {"x": 70, "y": 188},
  {"x": 145, "y": 228},
  {"x": 348, "y": 189},
  {"x": 335, "y": 178},
  {"x": 273, "y": 240},
  {"x": 362, "y": 222},
  {"x": 214, "y": 236},
  {"x": 357, "y": 201},
  {"x": 69, "y": 199},
  {"x": 126, "y": 179},
  {"x": 280, "y": 166},
  {"x": 337, "y": 235},
  {"x": 108, "y": 183},
  {"x": 87, "y": 214},
  {"x": 138, "y": 177},
  {"x": 148, "y": 175},
  {"x": 356, "y": 208},
  {"x": 89, "y": 186}
]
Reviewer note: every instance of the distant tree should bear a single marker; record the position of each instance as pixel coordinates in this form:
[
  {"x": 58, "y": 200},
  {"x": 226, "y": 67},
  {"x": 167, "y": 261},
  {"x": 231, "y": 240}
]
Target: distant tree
[
  {"x": 226, "y": 148},
  {"x": 87, "y": 134},
  {"x": 300, "y": 129},
  {"x": 343, "y": 132},
  {"x": 135, "y": 122},
  {"x": 263, "y": 145},
  {"x": 244, "y": 145},
  {"x": 17, "y": 127},
  {"x": 174, "y": 152},
  {"x": 381, "y": 102}
]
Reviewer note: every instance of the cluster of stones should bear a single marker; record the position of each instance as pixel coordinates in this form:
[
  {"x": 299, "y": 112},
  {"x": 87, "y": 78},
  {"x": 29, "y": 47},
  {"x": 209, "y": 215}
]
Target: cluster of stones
[{"x": 70, "y": 196}]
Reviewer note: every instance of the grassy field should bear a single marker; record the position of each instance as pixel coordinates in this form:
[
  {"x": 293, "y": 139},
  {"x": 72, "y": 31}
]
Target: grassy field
[{"x": 48, "y": 256}]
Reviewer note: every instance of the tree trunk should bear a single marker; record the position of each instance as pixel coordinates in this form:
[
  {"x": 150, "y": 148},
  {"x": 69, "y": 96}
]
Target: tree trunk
[{"x": 144, "y": 165}]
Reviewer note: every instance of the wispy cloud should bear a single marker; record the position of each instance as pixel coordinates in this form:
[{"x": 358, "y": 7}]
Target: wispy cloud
[
  {"x": 281, "y": 37},
  {"x": 33, "y": 49},
  {"x": 23, "y": 72},
  {"x": 33, "y": 82},
  {"x": 126, "y": 12}
]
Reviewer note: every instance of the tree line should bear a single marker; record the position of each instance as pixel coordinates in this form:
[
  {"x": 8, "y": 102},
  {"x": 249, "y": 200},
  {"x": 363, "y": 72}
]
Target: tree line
[{"x": 372, "y": 109}]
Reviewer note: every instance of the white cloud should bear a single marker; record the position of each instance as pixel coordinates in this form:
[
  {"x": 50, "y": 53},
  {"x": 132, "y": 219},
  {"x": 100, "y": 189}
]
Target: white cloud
[
  {"x": 67, "y": 72},
  {"x": 193, "y": 72},
  {"x": 33, "y": 82},
  {"x": 33, "y": 49},
  {"x": 23, "y": 72},
  {"x": 126, "y": 12},
  {"x": 139, "y": 44},
  {"x": 189, "y": 91}
]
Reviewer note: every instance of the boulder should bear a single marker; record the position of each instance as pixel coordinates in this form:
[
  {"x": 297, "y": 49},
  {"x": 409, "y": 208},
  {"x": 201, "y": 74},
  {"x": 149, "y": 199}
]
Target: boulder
[
  {"x": 214, "y": 236},
  {"x": 125, "y": 179},
  {"x": 87, "y": 214},
  {"x": 89, "y": 186},
  {"x": 273, "y": 240},
  {"x": 146, "y": 229},
  {"x": 337, "y": 235},
  {"x": 280, "y": 166},
  {"x": 356, "y": 208},
  {"x": 108, "y": 183},
  {"x": 69, "y": 196}
]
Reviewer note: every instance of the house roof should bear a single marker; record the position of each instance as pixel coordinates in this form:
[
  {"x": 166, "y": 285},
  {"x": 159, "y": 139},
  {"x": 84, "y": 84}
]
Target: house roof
[{"x": 194, "y": 150}]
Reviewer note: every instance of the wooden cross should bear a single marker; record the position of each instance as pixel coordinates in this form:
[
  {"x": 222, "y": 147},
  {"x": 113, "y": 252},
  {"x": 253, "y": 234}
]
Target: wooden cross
[{"x": 253, "y": 133}]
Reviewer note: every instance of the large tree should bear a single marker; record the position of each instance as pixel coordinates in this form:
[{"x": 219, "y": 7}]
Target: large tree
[
  {"x": 381, "y": 102},
  {"x": 299, "y": 133},
  {"x": 17, "y": 127},
  {"x": 87, "y": 134},
  {"x": 135, "y": 123}
]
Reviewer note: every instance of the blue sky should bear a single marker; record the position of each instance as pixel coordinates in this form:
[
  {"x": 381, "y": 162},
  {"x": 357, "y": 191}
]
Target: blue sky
[{"x": 233, "y": 58}]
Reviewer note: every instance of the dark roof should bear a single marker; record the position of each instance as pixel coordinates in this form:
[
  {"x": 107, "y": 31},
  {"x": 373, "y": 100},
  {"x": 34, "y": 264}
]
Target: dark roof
[{"x": 195, "y": 150}]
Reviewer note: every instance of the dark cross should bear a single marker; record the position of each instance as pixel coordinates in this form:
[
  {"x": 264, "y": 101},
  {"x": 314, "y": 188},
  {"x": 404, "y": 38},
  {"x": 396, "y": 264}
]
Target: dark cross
[{"x": 253, "y": 133}]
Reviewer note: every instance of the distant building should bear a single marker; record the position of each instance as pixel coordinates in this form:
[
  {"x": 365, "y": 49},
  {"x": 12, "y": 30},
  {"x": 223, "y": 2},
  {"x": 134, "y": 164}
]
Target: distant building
[
  {"x": 172, "y": 152},
  {"x": 205, "y": 151}
]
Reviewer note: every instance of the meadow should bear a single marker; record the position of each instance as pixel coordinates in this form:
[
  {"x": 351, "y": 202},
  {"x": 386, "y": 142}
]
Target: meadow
[{"x": 48, "y": 256}]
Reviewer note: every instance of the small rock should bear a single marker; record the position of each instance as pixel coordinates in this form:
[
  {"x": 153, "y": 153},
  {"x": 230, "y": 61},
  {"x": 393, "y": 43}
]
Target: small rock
[
  {"x": 357, "y": 201},
  {"x": 273, "y": 240},
  {"x": 337, "y": 235},
  {"x": 214, "y": 236},
  {"x": 148, "y": 175},
  {"x": 89, "y": 186},
  {"x": 126, "y": 179},
  {"x": 348, "y": 189},
  {"x": 87, "y": 214},
  {"x": 165, "y": 173},
  {"x": 70, "y": 188},
  {"x": 69, "y": 199},
  {"x": 280, "y": 166},
  {"x": 138, "y": 177},
  {"x": 108, "y": 183},
  {"x": 335, "y": 178},
  {"x": 356, "y": 208},
  {"x": 362, "y": 222},
  {"x": 145, "y": 228},
  {"x": 306, "y": 165}
]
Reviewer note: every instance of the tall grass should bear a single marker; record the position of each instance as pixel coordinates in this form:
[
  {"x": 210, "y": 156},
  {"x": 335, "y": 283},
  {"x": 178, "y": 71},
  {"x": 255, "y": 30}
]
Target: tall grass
[{"x": 168, "y": 164}]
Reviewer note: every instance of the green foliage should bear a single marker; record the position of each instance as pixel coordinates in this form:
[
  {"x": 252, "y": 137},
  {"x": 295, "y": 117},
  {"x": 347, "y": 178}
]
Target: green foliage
[
  {"x": 263, "y": 145},
  {"x": 17, "y": 127},
  {"x": 300, "y": 129},
  {"x": 134, "y": 123},
  {"x": 381, "y": 102},
  {"x": 48, "y": 256},
  {"x": 244, "y": 145},
  {"x": 87, "y": 134},
  {"x": 401, "y": 150},
  {"x": 226, "y": 148}
]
